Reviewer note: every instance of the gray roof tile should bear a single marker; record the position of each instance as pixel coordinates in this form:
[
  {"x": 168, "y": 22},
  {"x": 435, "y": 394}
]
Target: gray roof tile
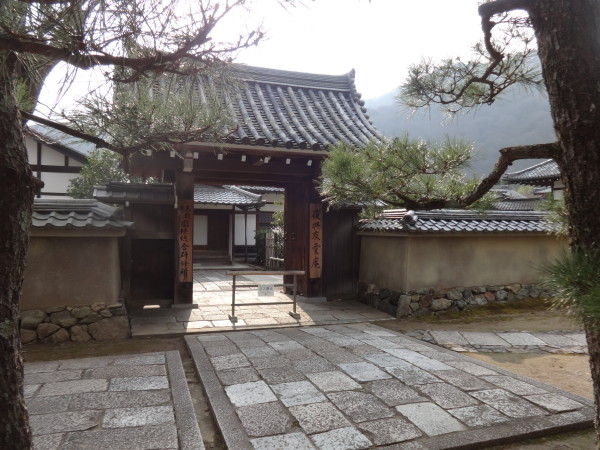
[
  {"x": 297, "y": 110},
  {"x": 76, "y": 214},
  {"x": 136, "y": 193},
  {"x": 460, "y": 221},
  {"x": 542, "y": 174},
  {"x": 226, "y": 195}
]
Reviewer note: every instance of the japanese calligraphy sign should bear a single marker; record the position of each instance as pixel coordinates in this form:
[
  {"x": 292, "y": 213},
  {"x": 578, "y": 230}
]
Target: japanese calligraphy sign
[
  {"x": 185, "y": 226},
  {"x": 316, "y": 240}
]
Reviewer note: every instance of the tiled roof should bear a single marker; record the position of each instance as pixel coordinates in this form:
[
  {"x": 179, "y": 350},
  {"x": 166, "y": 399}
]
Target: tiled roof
[
  {"x": 226, "y": 195},
  {"x": 296, "y": 110},
  {"x": 459, "y": 221},
  {"x": 542, "y": 174},
  {"x": 76, "y": 214},
  {"x": 262, "y": 189},
  {"x": 119, "y": 193},
  {"x": 518, "y": 204},
  {"x": 53, "y": 137}
]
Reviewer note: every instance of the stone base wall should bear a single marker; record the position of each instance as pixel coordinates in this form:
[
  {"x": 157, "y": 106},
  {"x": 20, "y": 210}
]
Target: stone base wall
[
  {"x": 435, "y": 301},
  {"x": 97, "y": 321}
]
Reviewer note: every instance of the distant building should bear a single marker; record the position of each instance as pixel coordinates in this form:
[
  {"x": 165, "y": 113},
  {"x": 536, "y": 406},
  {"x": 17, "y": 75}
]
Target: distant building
[{"x": 544, "y": 174}]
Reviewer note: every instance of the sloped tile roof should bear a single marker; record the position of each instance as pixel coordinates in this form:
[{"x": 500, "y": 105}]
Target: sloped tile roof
[
  {"x": 518, "y": 204},
  {"x": 296, "y": 110},
  {"x": 262, "y": 189},
  {"x": 226, "y": 195},
  {"x": 542, "y": 174},
  {"x": 136, "y": 193},
  {"x": 76, "y": 214},
  {"x": 55, "y": 138},
  {"x": 459, "y": 221}
]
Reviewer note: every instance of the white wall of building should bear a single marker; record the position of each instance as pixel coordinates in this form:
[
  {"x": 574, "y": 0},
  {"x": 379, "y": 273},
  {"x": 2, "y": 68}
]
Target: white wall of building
[
  {"x": 200, "y": 230},
  {"x": 250, "y": 228}
]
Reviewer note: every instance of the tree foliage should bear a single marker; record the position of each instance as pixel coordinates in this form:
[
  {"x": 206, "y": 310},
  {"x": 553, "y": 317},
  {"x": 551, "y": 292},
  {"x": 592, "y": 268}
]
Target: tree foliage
[
  {"x": 401, "y": 172},
  {"x": 102, "y": 167}
]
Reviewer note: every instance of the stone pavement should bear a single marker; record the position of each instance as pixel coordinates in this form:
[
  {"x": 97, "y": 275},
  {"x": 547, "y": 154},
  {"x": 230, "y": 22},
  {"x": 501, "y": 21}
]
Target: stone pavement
[
  {"x": 212, "y": 297},
  {"x": 506, "y": 341},
  {"x": 358, "y": 385},
  {"x": 117, "y": 402}
]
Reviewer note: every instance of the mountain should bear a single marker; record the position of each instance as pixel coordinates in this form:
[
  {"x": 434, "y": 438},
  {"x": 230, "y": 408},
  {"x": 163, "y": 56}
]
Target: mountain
[{"x": 518, "y": 118}]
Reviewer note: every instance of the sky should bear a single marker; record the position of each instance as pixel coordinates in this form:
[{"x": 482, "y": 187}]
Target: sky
[{"x": 377, "y": 38}]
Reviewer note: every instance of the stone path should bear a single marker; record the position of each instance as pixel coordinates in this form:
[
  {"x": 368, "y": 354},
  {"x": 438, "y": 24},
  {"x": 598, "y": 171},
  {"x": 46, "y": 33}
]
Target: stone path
[
  {"x": 214, "y": 309},
  {"x": 506, "y": 341},
  {"x": 117, "y": 402},
  {"x": 355, "y": 386}
]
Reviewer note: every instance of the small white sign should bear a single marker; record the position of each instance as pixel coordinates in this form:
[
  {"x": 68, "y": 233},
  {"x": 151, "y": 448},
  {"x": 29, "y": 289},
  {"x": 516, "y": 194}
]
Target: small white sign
[{"x": 266, "y": 290}]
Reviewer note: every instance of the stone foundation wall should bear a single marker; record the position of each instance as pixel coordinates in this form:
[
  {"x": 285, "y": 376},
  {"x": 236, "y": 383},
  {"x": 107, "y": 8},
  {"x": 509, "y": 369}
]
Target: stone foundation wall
[
  {"x": 435, "y": 301},
  {"x": 97, "y": 321}
]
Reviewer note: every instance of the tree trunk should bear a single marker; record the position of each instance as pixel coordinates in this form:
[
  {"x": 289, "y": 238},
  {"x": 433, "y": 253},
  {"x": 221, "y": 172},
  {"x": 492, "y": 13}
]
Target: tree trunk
[
  {"x": 569, "y": 48},
  {"x": 17, "y": 188}
]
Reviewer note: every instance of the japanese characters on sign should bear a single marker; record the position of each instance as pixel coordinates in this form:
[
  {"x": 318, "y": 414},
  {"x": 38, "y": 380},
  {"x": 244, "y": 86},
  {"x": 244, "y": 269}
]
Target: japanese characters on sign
[
  {"x": 316, "y": 240},
  {"x": 185, "y": 219}
]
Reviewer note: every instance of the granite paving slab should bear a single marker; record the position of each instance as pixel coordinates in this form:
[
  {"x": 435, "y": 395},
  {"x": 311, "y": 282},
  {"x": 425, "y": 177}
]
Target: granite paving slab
[
  {"x": 117, "y": 402},
  {"x": 516, "y": 341},
  {"x": 399, "y": 395}
]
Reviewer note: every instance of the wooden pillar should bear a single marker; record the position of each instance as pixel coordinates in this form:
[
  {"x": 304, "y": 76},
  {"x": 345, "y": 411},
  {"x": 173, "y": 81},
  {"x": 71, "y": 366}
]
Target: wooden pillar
[{"x": 184, "y": 238}]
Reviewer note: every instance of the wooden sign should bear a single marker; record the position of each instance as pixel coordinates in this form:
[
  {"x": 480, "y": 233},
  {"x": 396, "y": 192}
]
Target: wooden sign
[
  {"x": 185, "y": 225},
  {"x": 316, "y": 240}
]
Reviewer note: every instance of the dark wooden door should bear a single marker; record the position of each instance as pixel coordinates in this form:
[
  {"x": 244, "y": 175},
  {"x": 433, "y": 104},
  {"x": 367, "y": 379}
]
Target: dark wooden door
[
  {"x": 218, "y": 231},
  {"x": 152, "y": 268}
]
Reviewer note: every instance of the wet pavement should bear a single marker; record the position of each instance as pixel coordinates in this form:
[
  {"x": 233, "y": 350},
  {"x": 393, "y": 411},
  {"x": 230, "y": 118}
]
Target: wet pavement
[{"x": 356, "y": 386}]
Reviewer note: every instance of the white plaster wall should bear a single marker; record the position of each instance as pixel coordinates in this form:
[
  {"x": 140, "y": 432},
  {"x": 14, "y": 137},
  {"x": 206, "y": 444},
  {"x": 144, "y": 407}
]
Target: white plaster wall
[
  {"x": 200, "y": 230},
  {"x": 51, "y": 157},
  {"x": 56, "y": 182},
  {"x": 31, "y": 150},
  {"x": 276, "y": 199}
]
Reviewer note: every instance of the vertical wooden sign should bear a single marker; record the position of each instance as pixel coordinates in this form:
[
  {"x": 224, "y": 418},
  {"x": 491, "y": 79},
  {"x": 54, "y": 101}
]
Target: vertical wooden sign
[
  {"x": 316, "y": 240},
  {"x": 185, "y": 221}
]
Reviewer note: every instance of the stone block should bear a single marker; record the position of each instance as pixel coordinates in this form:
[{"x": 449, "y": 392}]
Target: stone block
[
  {"x": 55, "y": 309},
  {"x": 251, "y": 393},
  {"x": 554, "y": 402},
  {"x": 62, "y": 422},
  {"x": 138, "y": 383},
  {"x": 447, "y": 396},
  {"x": 489, "y": 296},
  {"x": 425, "y": 301},
  {"x": 507, "y": 403},
  {"x": 155, "y": 437},
  {"x": 403, "y": 308},
  {"x": 501, "y": 295},
  {"x": 80, "y": 313},
  {"x": 98, "y": 306},
  {"x": 32, "y": 318},
  {"x": 347, "y": 438},
  {"x": 278, "y": 375},
  {"x": 441, "y": 304},
  {"x": 90, "y": 318},
  {"x": 59, "y": 337},
  {"x": 395, "y": 393},
  {"x": 52, "y": 377},
  {"x": 363, "y": 371},
  {"x": 113, "y": 328},
  {"x": 229, "y": 361},
  {"x": 430, "y": 418},
  {"x": 48, "y": 405},
  {"x": 296, "y": 441},
  {"x": 46, "y": 329},
  {"x": 515, "y": 386},
  {"x": 333, "y": 381},
  {"x": 478, "y": 416},
  {"x": 389, "y": 431},
  {"x": 72, "y": 387},
  {"x": 312, "y": 365},
  {"x": 238, "y": 376},
  {"x": 28, "y": 336},
  {"x": 265, "y": 419},
  {"x": 138, "y": 417},
  {"x": 454, "y": 294},
  {"x": 413, "y": 375},
  {"x": 298, "y": 393},
  {"x": 360, "y": 406},
  {"x": 80, "y": 334},
  {"x": 319, "y": 417},
  {"x": 63, "y": 319}
]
